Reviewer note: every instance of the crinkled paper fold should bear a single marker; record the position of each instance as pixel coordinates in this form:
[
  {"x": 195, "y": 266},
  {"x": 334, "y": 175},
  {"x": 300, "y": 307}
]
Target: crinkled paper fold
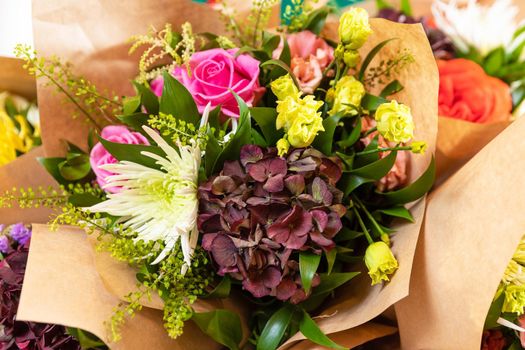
[{"x": 92, "y": 35}]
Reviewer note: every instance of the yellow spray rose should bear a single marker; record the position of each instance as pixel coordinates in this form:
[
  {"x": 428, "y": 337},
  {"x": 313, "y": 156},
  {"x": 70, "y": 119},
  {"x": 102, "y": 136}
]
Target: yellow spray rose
[
  {"x": 304, "y": 129},
  {"x": 348, "y": 92},
  {"x": 514, "y": 299},
  {"x": 354, "y": 28},
  {"x": 380, "y": 262},
  {"x": 284, "y": 87},
  {"x": 395, "y": 122}
]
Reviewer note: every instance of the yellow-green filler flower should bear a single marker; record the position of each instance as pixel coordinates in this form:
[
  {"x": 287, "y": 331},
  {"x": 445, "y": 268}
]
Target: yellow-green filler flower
[
  {"x": 380, "y": 262},
  {"x": 347, "y": 96},
  {"x": 394, "y": 122},
  {"x": 158, "y": 204},
  {"x": 297, "y": 115}
]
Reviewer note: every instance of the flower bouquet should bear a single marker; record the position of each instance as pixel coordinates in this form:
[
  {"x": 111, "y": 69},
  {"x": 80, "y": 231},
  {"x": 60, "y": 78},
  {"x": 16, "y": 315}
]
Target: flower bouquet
[
  {"x": 242, "y": 187},
  {"x": 481, "y": 70}
]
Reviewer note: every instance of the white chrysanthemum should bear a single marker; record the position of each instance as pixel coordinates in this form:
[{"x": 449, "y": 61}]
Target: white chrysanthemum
[
  {"x": 484, "y": 27},
  {"x": 158, "y": 204}
]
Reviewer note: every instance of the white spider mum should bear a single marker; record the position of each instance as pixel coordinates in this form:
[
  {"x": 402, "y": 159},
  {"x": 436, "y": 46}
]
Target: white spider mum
[
  {"x": 484, "y": 27},
  {"x": 158, "y": 204}
]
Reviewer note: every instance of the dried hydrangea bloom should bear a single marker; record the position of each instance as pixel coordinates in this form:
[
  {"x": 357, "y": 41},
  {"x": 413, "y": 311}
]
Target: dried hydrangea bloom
[{"x": 259, "y": 212}]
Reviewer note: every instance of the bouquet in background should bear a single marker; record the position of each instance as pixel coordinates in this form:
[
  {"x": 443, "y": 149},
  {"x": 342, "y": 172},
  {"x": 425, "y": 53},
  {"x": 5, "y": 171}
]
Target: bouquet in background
[
  {"x": 259, "y": 164},
  {"x": 19, "y": 127},
  {"x": 481, "y": 61}
]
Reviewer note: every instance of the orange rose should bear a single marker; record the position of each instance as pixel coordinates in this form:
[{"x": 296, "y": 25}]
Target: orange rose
[{"x": 466, "y": 92}]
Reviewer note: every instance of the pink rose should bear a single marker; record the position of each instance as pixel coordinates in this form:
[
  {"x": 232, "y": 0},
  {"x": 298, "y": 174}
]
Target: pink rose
[
  {"x": 213, "y": 74},
  {"x": 310, "y": 57},
  {"x": 397, "y": 176},
  {"x": 100, "y": 156}
]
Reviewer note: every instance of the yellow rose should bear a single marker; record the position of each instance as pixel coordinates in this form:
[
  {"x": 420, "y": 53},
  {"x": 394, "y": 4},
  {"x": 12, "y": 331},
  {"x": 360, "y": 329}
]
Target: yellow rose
[
  {"x": 304, "y": 129},
  {"x": 394, "y": 122},
  {"x": 354, "y": 28},
  {"x": 284, "y": 87},
  {"x": 380, "y": 262},
  {"x": 514, "y": 299},
  {"x": 348, "y": 92},
  {"x": 283, "y": 146}
]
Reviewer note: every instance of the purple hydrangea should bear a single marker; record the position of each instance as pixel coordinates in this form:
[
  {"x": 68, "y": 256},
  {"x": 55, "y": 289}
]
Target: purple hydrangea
[
  {"x": 4, "y": 244},
  {"x": 20, "y": 233},
  {"x": 258, "y": 213}
]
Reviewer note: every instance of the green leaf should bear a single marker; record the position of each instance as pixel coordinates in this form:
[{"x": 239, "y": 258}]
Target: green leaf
[
  {"x": 131, "y": 104},
  {"x": 316, "y": 20},
  {"x": 494, "y": 61},
  {"x": 84, "y": 200},
  {"x": 414, "y": 191},
  {"x": 406, "y": 8},
  {"x": 398, "y": 212},
  {"x": 222, "y": 290},
  {"x": 223, "y": 326},
  {"x": 382, "y": 4},
  {"x": 371, "y": 102},
  {"x": 265, "y": 118},
  {"x": 494, "y": 312},
  {"x": 271, "y": 42},
  {"x": 378, "y": 169},
  {"x": 177, "y": 101},
  {"x": 243, "y": 136},
  {"x": 329, "y": 282},
  {"x": 258, "y": 139},
  {"x": 286, "y": 55},
  {"x": 133, "y": 153},
  {"x": 347, "y": 235},
  {"x": 353, "y": 137},
  {"x": 86, "y": 339},
  {"x": 368, "y": 158},
  {"x": 350, "y": 183},
  {"x": 392, "y": 88},
  {"x": 324, "y": 140},
  {"x": 75, "y": 167},
  {"x": 275, "y": 328},
  {"x": 213, "y": 150},
  {"x": 311, "y": 330},
  {"x": 148, "y": 99},
  {"x": 370, "y": 57},
  {"x": 135, "y": 121},
  {"x": 51, "y": 166},
  {"x": 282, "y": 65},
  {"x": 308, "y": 264},
  {"x": 330, "y": 259}
]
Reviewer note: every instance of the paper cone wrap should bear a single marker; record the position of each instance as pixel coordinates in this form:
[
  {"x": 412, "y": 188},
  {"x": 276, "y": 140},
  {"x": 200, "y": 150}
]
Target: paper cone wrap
[{"x": 473, "y": 225}]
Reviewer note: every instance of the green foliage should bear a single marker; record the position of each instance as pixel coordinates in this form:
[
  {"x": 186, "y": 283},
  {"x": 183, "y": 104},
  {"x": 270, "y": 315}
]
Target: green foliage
[
  {"x": 86, "y": 339},
  {"x": 302, "y": 15},
  {"x": 97, "y": 108},
  {"x": 223, "y": 326},
  {"x": 275, "y": 328},
  {"x": 308, "y": 265},
  {"x": 312, "y": 332}
]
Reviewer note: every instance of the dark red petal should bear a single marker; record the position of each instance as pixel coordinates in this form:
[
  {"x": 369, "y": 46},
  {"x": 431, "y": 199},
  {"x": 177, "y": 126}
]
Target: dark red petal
[
  {"x": 207, "y": 241},
  {"x": 278, "y": 232},
  {"x": 233, "y": 168},
  {"x": 331, "y": 170},
  {"x": 320, "y": 192},
  {"x": 256, "y": 287},
  {"x": 224, "y": 251},
  {"x": 259, "y": 171},
  {"x": 271, "y": 277},
  {"x": 334, "y": 225},
  {"x": 250, "y": 154},
  {"x": 274, "y": 183},
  {"x": 223, "y": 185},
  {"x": 320, "y": 219},
  {"x": 295, "y": 184},
  {"x": 286, "y": 289},
  {"x": 321, "y": 240},
  {"x": 278, "y": 166},
  {"x": 296, "y": 242}
]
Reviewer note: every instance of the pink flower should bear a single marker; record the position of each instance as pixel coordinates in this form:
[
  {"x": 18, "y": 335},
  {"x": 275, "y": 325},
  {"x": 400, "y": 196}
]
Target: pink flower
[
  {"x": 397, "y": 176},
  {"x": 213, "y": 73},
  {"x": 310, "y": 57},
  {"x": 100, "y": 156}
]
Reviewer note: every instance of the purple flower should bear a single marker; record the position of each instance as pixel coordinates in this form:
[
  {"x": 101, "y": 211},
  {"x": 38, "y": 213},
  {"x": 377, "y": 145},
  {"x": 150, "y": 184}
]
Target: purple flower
[
  {"x": 20, "y": 233},
  {"x": 4, "y": 244}
]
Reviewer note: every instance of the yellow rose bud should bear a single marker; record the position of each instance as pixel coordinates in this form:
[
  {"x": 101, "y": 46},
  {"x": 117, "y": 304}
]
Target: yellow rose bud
[
  {"x": 352, "y": 58},
  {"x": 283, "y": 146},
  {"x": 283, "y": 87},
  {"x": 348, "y": 93},
  {"x": 419, "y": 147},
  {"x": 354, "y": 28},
  {"x": 304, "y": 129},
  {"x": 380, "y": 262},
  {"x": 514, "y": 299},
  {"x": 394, "y": 122}
]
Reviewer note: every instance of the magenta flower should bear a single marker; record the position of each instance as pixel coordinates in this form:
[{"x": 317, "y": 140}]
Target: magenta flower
[
  {"x": 213, "y": 75},
  {"x": 100, "y": 156}
]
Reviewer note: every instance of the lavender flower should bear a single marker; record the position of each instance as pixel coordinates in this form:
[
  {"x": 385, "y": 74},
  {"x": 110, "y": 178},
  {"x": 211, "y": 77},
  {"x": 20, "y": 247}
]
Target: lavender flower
[
  {"x": 4, "y": 244},
  {"x": 20, "y": 233}
]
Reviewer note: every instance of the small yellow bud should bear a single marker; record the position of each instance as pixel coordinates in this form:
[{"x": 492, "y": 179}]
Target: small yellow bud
[
  {"x": 283, "y": 87},
  {"x": 348, "y": 95},
  {"x": 282, "y": 147},
  {"x": 380, "y": 262},
  {"x": 395, "y": 122},
  {"x": 352, "y": 58},
  {"x": 354, "y": 28},
  {"x": 419, "y": 147}
]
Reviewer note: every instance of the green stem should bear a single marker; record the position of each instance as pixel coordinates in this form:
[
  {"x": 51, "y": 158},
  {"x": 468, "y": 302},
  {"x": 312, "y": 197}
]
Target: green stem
[
  {"x": 259, "y": 14},
  {"x": 368, "y": 215},
  {"x": 387, "y": 149},
  {"x": 363, "y": 226},
  {"x": 371, "y": 130}
]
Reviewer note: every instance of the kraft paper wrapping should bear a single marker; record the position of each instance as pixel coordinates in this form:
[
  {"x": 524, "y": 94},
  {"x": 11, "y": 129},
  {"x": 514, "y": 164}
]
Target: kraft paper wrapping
[
  {"x": 473, "y": 225},
  {"x": 358, "y": 302},
  {"x": 24, "y": 172},
  {"x": 92, "y": 36}
]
